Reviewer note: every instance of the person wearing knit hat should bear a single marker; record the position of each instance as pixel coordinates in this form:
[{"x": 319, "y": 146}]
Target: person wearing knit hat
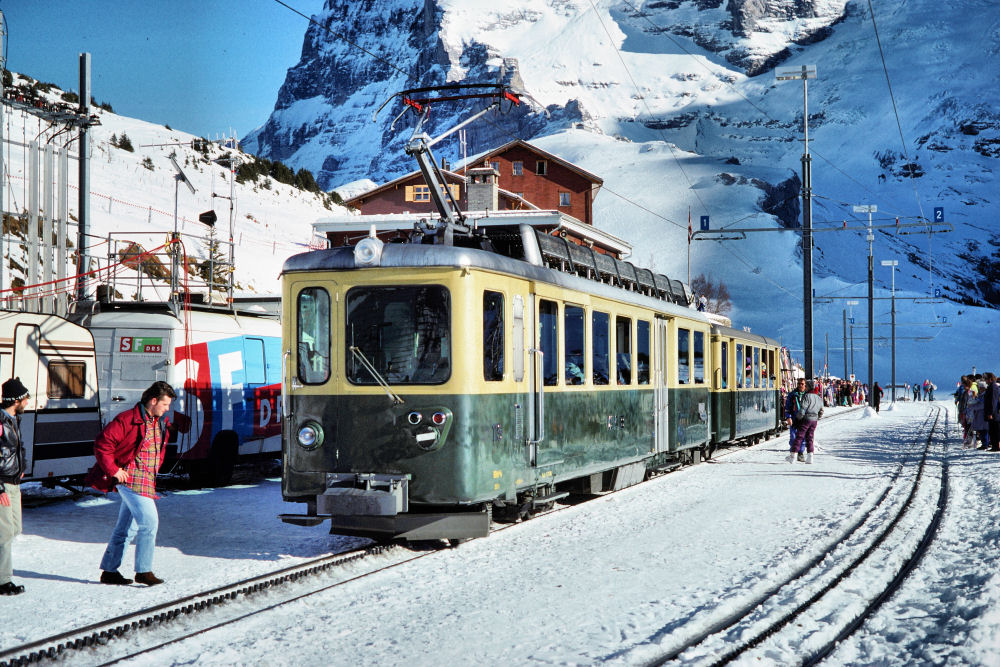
[{"x": 14, "y": 401}]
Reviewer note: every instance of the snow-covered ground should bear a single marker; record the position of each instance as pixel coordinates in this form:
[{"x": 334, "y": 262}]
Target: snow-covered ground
[{"x": 620, "y": 578}]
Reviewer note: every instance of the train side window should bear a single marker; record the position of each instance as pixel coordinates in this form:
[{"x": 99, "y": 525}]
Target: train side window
[
  {"x": 771, "y": 369},
  {"x": 683, "y": 356},
  {"x": 548, "y": 340},
  {"x": 756, "y": 367},
  {"x": 724, "y": 369},
  {"x": 600, "y": 343},
  {"x": 642, "y": 351},
  {"x": 699, "y": 357},
  {"x": 493, "y": 336},
  {"x": 67, "y": 379},
  {"x": 623, "y": 349},
  {"x": 739, "y": 365},
  {"x": 573, "y": 345},
  {"x": 313, "y": 335}
]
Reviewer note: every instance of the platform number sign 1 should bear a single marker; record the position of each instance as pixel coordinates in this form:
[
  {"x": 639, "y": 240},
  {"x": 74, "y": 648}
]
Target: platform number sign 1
[
  {"x": 939, "y": 214},
  {"x": 704, "y": 223},
  {"x": 142, "y": 345}
]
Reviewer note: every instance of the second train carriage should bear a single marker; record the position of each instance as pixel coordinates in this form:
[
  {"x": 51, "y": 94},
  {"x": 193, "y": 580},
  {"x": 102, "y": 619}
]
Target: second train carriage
[
  {"x": 746, "y": 385},
  {"x": 428, "y": 384}
]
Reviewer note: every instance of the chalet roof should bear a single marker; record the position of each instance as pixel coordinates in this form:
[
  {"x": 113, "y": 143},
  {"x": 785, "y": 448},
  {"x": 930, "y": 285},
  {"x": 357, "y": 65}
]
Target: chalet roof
[
  {"x": 597, "y": 180},
  {"x": 456, "y": 177},
  {"x": 448, "y": 175}
]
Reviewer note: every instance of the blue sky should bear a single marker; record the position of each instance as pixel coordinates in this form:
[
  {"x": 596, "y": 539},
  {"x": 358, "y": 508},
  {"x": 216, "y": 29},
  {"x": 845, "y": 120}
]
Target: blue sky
[{"x": 206, "y": 67}]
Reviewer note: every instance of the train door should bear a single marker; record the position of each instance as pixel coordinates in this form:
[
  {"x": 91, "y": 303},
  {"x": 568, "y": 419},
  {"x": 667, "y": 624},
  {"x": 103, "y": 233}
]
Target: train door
[
  {"x": 536, "y": 387},
  {"x": 27, "y": 359},
  {"x": 661, "y": 414},
  {"x": 138, "y": 358}
]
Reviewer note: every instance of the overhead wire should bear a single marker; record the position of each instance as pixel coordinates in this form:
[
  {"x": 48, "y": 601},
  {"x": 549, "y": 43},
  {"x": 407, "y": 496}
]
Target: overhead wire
[
  {"x": 733, "y": 88},
  {"x": 642, "y": 98}
]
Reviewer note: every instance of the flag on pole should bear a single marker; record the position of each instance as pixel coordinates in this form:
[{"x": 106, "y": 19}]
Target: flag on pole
[{"x": 690, "y": 230}]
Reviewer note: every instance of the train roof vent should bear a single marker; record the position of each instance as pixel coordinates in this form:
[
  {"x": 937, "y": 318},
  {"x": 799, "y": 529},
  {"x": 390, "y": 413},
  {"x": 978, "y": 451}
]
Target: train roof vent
[
  {"x": 677, "y": 293},
  {"x": 555, "y": 252},
  {"x": 607, "y": 270},
  {"x": 627, "y": 274},
  {"x": 662, "y": 284},
  {"x": 645, "y": 279},
  {"x": 583, "y": 260}
]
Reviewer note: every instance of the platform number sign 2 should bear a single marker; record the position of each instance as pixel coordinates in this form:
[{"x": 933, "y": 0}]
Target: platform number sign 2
[
  {"x": 939, "y": 214},
  {"x": 142, "y": 345}
]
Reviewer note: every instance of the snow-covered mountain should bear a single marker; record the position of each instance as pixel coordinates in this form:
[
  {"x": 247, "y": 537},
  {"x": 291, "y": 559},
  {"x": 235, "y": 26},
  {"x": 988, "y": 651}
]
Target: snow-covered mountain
[
  {"x": 675, "y": 104},
  {"x": 133, "y": 189}
]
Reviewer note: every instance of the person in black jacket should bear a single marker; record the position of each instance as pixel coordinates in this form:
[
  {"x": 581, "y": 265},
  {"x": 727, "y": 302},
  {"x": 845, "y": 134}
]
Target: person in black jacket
[
  {"x": 877, "y": 396},
  {"x": 991, "y": 410},
  {"x": 14, "y": 397}
]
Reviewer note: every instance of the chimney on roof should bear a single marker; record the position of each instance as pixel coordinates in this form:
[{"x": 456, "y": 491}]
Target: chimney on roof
[
  {"x": 483, "y": 186},
  {"x": 445, "y": 165}
]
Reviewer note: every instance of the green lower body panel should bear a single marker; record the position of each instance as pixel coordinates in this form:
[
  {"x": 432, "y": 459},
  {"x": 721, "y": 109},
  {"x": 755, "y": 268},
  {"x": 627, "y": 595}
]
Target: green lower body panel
[{"x": 483, "y": 451}]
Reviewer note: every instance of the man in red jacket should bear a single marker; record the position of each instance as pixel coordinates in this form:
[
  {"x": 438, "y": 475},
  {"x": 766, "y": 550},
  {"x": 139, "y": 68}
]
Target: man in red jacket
[{"x": 129, "y": 453}]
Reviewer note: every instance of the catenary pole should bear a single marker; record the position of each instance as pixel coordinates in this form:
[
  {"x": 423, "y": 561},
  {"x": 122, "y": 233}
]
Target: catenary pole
[
  {"x": 805, "y": 72},
  {"x": 83, "y": 200}
]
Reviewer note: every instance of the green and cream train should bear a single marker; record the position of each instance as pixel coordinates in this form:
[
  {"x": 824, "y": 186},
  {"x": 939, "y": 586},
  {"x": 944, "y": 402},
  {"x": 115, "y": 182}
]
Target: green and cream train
[{"x": 435, "y": 378}]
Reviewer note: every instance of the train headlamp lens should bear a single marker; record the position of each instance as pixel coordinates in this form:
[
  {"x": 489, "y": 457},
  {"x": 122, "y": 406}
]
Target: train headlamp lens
[
  {"x": 368, "y": 252},
  {"x": 414, "y": 418},
  {"x": 439, "y": 418},
  {"x": 310, "y": 435}
]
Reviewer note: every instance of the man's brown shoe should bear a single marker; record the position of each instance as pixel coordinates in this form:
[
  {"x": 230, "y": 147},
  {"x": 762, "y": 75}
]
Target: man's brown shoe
[
  {"x": 147, "y": 578},
  {"x": 114, "y": 578}
]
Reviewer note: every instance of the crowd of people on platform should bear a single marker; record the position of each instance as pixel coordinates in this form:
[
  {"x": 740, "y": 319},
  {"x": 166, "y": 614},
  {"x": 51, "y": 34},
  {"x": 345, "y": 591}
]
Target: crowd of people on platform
[{"x": 978, "y": 402}]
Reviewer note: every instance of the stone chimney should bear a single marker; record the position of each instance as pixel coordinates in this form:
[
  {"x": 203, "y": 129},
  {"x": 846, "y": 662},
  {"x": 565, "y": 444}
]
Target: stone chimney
[{"x": 482, "y": 188}]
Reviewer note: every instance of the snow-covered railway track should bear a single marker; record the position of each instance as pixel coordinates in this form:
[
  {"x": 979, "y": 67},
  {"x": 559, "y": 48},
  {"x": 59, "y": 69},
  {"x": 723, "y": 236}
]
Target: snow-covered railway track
[
  {"x": 91, "y": 643},
  {"x": 779, "y": 613}
]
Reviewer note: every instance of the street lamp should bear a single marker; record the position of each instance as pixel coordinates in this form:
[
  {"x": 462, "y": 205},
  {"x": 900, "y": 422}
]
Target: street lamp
[
  {"x": 804, "y": 72},
  {"x": 893, "y": 263},
  {"x": 869, "y": 209}
]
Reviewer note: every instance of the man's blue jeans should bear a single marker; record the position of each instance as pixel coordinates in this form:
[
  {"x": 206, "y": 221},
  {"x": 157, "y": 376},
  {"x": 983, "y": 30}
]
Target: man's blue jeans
[{"x": 137, "y": 519}]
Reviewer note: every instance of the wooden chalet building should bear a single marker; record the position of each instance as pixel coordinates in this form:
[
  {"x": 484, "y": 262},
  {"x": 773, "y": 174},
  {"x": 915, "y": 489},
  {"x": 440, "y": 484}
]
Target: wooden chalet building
[{"x": 527, "y": 178}]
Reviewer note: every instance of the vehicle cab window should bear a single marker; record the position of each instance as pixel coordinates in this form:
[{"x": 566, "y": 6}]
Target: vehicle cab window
[{"x": 313, "y": 335}]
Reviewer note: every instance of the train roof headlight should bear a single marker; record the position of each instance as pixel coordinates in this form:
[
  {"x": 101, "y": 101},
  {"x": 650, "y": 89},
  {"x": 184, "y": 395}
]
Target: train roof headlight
[
  {"x": 368, "y": 252},
  {"x": 310, "y": 435}
]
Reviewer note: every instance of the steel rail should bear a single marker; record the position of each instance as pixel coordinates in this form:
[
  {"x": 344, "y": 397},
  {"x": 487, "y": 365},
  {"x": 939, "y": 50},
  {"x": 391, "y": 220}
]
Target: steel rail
[
  {"x": 734, "y": 618},
  {"x": 790, "y": 616}
]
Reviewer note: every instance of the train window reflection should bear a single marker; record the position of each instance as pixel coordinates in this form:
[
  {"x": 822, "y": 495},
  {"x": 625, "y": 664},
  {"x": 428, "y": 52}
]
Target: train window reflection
[
  {"x": 493, "y": 343},
  {"x": 573, "y": 345},
  {"x": 623, "y": 349},
  {"x": 601, "y": 342},
  {"x": 739, "y": 365},
  {"x": 642, "y": 351},
  {"x": 724, "y": 373},
  {"x": 548, "y": 340},
  {"x": 403, "y": 332},
  {"x": 313, "y": 335},
  {"x": 756, "y": 367},
  {"x": 699, "y": 357},
  {"x": 683, "y": 356}
]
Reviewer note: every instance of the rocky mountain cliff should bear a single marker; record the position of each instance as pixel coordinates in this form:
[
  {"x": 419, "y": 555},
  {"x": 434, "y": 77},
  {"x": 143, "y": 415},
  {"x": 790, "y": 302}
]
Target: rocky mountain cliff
[{"x": 674, "y": 103}]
